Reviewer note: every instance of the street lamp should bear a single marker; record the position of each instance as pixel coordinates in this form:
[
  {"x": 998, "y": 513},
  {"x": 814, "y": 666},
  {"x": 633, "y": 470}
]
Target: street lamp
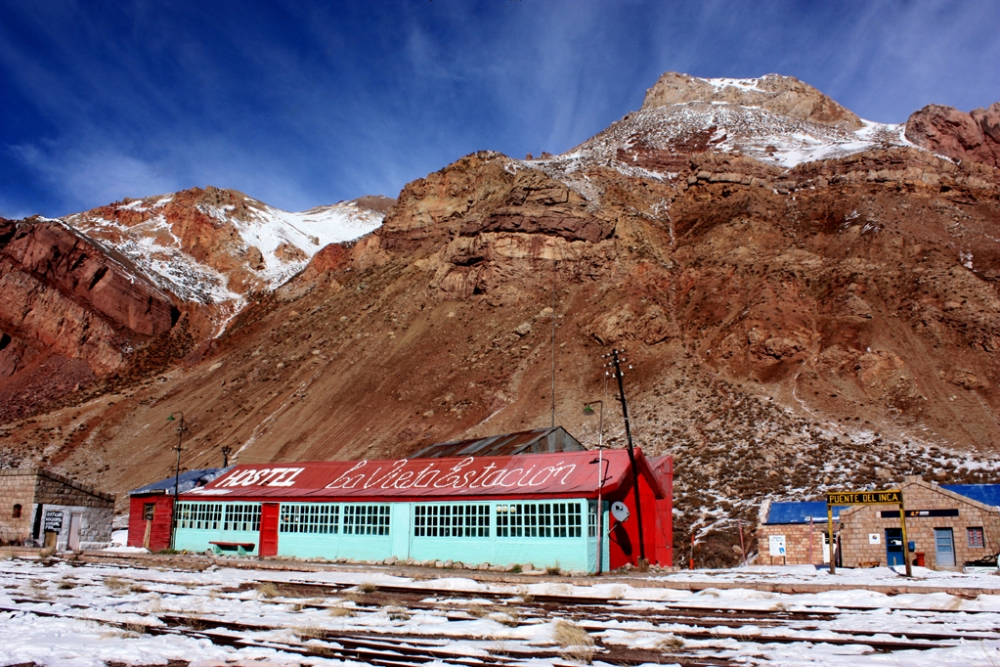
[{"x": 177, "y": 471}]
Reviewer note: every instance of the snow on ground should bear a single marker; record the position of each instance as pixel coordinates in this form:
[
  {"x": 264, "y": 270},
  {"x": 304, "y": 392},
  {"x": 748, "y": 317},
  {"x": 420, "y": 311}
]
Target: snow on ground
[{"x": 109, "y": 612}]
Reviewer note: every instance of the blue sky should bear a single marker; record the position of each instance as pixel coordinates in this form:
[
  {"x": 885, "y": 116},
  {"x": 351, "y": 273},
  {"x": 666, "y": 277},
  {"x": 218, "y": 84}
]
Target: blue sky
[{"x": 305, "y": 103}]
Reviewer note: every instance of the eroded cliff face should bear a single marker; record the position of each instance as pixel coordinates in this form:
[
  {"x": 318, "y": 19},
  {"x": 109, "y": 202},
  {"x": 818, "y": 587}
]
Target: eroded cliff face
[
  {"x": 956, "y": 134},
  {"x": 66, "y": 303}
]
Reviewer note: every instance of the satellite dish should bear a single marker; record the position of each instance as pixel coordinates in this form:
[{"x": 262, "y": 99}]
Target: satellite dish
[{"x": 619, "y": 511}]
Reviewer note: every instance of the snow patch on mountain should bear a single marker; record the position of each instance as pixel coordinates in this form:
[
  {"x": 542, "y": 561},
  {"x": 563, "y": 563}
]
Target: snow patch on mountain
[
  {"x": 271, "y": 245},
  {"x": 275, "y": 233},
  {"x": 772, "y": 138}
]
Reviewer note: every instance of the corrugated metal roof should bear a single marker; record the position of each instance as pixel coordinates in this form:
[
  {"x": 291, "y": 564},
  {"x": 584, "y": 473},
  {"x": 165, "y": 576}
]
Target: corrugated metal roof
[
  {"x": 800, "y": 512},
  {"x": 987, "y": 494},
  {"x": 188, "y": 480},
  {"x": 539, "y": 441},
  {"x": 565, "y": 474}
]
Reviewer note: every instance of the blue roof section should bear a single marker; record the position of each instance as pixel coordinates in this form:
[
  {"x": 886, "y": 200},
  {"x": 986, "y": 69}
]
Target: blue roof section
[
  {"x": 987, "y": 494},
  {"x": 187, "y": 481},
  {"x": 801, "y": 512}
]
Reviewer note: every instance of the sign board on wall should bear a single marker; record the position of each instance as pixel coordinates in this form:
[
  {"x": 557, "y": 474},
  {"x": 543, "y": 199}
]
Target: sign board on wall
[
  {"x": 776, "y": 545},
  {"x": 53, "y": 522},
  {"x": 874, "y": 538},
  {"x": 893, "y": 497}
]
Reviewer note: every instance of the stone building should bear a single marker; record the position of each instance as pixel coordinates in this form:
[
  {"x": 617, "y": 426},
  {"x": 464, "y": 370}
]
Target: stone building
[
  {"x": 946, "y": 525},
  {"x": 38, "y": 506},
  {"x": 800, "y": 527}
]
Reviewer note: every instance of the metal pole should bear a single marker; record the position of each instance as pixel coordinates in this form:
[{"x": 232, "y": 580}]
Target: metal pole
[
  {"x": 743, "y": 547},
  {"x": 829, "y": 530},
  {"x": 600, "y": 485},
  {"x": 553, "y": 343},
  {"x": 811, "y": 540},
  {"x": 906, "y": 545},
  {"x": 631, "y": 455},
  {"x": 177, "y": 475}
]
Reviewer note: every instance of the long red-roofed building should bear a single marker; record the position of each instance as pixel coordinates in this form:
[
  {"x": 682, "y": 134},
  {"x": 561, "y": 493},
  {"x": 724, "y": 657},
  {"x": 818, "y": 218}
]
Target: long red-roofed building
[{"x": 532, "y": 508}]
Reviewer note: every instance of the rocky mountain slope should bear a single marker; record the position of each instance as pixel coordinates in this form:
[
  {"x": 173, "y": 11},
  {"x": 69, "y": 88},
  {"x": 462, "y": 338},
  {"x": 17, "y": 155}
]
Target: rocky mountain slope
[
  {"x": 809, "y": 301},
  {"x": 130, "y": 288}
]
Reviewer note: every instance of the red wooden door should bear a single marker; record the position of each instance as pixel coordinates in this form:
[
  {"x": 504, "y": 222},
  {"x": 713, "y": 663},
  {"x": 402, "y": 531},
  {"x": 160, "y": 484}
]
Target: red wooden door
[{"x": 269, "y": 530}]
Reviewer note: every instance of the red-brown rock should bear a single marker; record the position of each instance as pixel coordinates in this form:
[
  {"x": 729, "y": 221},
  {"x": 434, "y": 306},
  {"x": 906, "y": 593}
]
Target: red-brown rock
[
  {"x": 63, "y": 296},
  {"x": 956, "y": 134}
]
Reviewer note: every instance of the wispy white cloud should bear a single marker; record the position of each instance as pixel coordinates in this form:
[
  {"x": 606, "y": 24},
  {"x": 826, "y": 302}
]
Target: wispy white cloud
[{"x": 301, "y": 104}]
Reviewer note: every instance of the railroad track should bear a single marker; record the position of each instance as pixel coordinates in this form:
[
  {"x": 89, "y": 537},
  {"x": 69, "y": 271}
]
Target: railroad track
[{"x": 710, "y": 629}]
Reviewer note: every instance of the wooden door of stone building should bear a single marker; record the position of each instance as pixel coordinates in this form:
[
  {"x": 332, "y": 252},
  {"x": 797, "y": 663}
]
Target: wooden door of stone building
[{"x": 944, "y": 547}]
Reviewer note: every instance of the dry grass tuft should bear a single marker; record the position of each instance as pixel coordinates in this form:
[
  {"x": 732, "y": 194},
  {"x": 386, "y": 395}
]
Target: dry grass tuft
[
  {"x": 566, "y": 635},
  {"x": 340, "y": 612},
  {"x": 508, "y": 617},
  {"x": 396, "y": 613},
  {"x": 47, "y": 552},
  {"x": 116, "y": 583},
  {"x": 581, "y": 654},
  {"x": 267, "y": 590},
  {"x": 479, "y": 611},
  {"x": 309, "y": 632},
  {"x": 135, "y": 629},
  {"x": 670, "y": 644},
  {"x": 578, "y": 644},
  {"x": 367, "y": 587}
]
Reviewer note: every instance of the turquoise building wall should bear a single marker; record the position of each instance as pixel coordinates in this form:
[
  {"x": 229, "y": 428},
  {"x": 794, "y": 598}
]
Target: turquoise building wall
[{"x": 546, "y": 533}]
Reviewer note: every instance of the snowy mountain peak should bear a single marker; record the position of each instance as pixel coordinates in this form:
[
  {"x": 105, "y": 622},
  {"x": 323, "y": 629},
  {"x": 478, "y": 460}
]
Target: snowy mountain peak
[
  {"x": 783, "y": 95},
  {"x": 214, "y": 246},
  {"x": 777, "y": 120}
]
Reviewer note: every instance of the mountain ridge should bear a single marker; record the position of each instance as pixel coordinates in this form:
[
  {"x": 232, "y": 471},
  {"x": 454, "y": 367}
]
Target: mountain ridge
[{"x": 792, "y": 328}]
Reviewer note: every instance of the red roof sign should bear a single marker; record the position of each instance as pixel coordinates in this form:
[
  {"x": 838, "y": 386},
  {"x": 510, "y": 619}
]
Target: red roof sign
[{"x": 566, "y": 474}]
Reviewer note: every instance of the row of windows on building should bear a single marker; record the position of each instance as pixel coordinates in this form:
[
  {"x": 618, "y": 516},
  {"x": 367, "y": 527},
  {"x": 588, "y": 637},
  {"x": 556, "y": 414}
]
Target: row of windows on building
[{"x": 550, "y": 519}]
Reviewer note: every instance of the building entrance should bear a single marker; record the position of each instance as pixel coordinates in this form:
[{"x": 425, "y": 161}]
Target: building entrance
[
  {"x": 944, "y": 547},
  {"x": 268, "y": 530},
  {"x": 894, "y": 546}
]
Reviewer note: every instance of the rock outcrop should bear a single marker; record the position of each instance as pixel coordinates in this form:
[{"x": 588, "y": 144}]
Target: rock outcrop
[
  {"x": 784, "y": 95},
  {"x": 65, "y": 301},
  {"x": 963, "y": 136}
]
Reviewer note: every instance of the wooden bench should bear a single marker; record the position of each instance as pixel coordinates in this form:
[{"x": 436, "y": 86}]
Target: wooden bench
[{"x": 241, "y": 548}]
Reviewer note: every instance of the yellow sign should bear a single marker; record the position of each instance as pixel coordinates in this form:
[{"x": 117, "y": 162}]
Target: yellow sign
[{"x": 893, "y": 497}]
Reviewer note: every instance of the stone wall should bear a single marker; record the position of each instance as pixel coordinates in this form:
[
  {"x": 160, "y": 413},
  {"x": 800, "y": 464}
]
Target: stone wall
[
  {"x": 796, "y": 543},
  {"x": 17, "y": 487},
  {"x": 55, "y": 489},
  {"x": 859, "y": 522},
  {"x": 40, "y": 490},
  {"x": 95, "y": 525}
]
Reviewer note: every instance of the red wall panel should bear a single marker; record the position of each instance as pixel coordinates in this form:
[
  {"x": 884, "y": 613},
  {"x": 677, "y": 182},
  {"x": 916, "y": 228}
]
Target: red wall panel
[{"x": 159, "y": 536}]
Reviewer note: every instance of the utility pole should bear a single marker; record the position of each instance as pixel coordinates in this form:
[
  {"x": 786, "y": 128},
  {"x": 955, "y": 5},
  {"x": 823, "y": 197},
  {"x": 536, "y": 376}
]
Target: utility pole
[
  {"x": 177, "y": 473},
  {"x": 616, "y": 362},
  {"x": 553, "y": 388}
]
